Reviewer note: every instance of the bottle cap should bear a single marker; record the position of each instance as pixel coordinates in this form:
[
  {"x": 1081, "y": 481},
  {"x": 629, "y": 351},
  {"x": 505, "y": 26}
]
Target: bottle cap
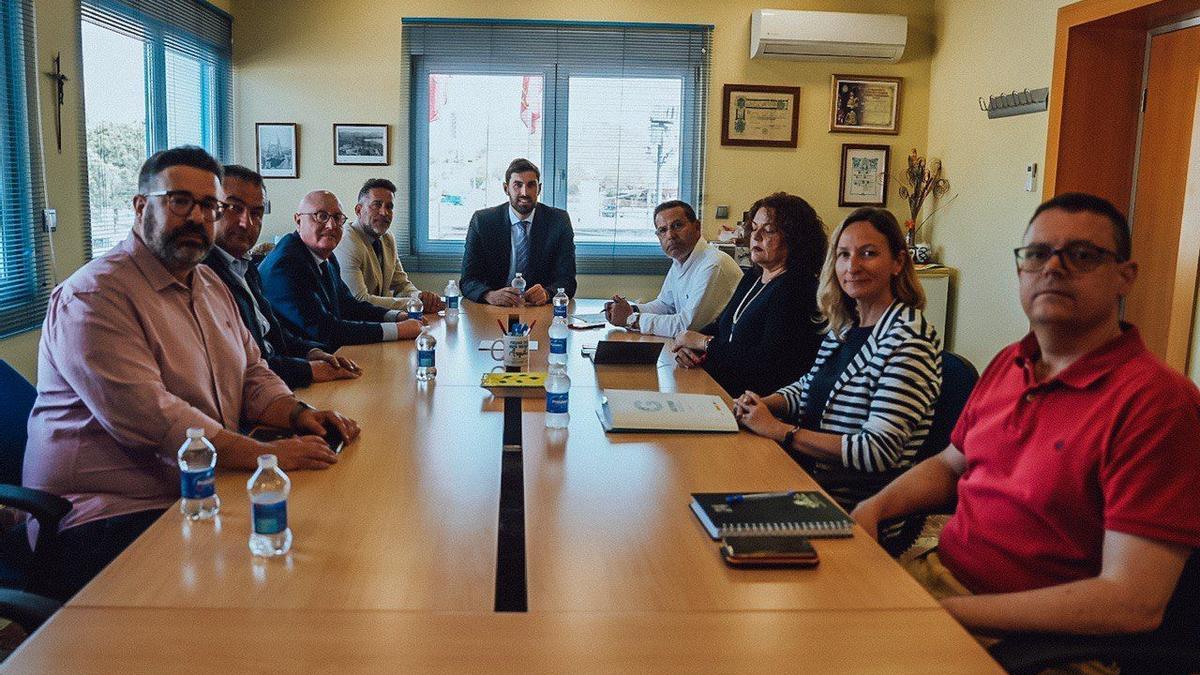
[
  {"x": 195, "y": 432},
  {"x": 562, "y": 290},
  {"x": 267, "y": 461}
]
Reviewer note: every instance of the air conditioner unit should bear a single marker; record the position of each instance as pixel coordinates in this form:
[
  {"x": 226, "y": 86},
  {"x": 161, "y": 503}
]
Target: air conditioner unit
[{"x": 801, "y": 35}]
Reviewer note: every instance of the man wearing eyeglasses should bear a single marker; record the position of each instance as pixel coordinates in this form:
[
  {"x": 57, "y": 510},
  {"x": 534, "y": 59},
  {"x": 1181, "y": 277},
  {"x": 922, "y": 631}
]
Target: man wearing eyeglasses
[
  {"x": 367, "y": 253},
  {"x": 296, "y": 360},
  {"x": 304, "y": 285},
  {"x": 1075, "y": 462},
  {"x": 138, "y": 346}
]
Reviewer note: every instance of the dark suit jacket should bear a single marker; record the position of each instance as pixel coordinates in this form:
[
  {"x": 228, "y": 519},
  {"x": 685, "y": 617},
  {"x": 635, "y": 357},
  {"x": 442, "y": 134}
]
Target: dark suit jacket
[
  {"x": 489, "y": 247},
  {"x": 287, "y": 351},
  {"x": 318, "y": 307},
  {"x": 775, "y": 339}
]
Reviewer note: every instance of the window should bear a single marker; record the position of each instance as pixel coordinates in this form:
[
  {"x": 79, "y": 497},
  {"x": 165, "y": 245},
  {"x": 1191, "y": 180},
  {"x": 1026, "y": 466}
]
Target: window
[
  {"x": 613, "y": 114},
  {"x": 24, "y": 259},
  {"x": 156, "y": 75}
]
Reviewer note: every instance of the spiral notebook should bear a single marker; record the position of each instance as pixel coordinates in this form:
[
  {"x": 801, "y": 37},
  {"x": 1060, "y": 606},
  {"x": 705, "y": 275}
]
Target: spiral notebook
[{"x": 805, "y": 514}]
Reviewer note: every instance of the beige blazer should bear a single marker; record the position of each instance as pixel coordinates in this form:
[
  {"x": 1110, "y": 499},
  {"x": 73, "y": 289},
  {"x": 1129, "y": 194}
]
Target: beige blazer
[{"x": 360, "y": 269}]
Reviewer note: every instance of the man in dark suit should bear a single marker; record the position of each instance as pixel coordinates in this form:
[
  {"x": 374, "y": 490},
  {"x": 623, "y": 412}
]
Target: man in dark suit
[
  {"x": 297, "y": 361},
  {"x": 520, "y": 236},
  {"x": 304, "y": 284}
]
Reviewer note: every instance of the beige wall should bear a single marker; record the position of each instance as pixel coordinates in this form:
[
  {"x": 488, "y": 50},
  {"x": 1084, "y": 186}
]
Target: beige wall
[
  {"x": 986, "y": 47},
  {"x": 306, "y": 63}
]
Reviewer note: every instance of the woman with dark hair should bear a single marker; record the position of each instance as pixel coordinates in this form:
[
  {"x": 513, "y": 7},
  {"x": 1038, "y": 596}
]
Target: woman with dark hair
[
  {"x": 769, "y": 332},
  {"x": 858, "y": 418}
]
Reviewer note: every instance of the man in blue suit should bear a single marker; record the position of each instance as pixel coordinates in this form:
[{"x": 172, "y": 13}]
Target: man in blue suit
[
  {"x": 297, "y": 361},
  {"x": 304, "y": 285},
  {"x": 520, "y": 236}
]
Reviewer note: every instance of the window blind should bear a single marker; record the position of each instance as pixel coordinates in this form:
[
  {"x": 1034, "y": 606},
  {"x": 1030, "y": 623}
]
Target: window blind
[
  {"x": 25, "y": 277},
  {"x": 179, "y": 54},
  {"x": 614, "y": 114}
]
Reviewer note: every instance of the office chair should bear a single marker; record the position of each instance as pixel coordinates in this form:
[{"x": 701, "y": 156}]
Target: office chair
[
  {"x": 1173, "y": 648},
  {"x": 958, "y": 380},
  {"x": 17, "y": 561}
]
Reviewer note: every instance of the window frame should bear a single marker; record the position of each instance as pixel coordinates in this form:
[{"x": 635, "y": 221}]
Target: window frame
[{"x": 420, "y": 253}]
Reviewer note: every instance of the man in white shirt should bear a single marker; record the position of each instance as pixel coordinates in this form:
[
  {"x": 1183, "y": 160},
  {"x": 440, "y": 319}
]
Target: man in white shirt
[{"x": 697, "y": 288}]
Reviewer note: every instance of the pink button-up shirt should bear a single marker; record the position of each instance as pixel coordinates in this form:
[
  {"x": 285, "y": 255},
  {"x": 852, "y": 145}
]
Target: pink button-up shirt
[{"x": 129, "y": 359}]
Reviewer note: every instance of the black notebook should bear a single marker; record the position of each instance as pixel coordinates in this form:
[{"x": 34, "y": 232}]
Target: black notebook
[{"x": 807, "y": 514}]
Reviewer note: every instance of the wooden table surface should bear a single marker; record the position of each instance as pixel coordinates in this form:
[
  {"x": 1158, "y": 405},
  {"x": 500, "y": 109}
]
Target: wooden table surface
[{"x": 394, "y": 560}]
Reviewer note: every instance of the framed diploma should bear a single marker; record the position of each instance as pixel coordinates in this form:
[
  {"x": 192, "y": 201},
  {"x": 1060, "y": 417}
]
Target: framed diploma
[
  {"x": 865, "y": 105},
  {"x": 864, "y": 175},
  {"x": 760, "y": 115}
]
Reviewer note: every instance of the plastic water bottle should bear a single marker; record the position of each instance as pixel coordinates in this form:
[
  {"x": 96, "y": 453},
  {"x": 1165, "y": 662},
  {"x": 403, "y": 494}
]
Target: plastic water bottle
[
  {"x": 269, "y": 488},
  {"x": 452, "y": 295},
  {"x": 518, "y": 283},
  {"x": 558, "y": 391},
  {"x": 558, "y": 340},
  {"x": 415, "y": 307},
  {"x": 426, "y": 357},
  {"x": 560, "y": 303},
  {"x": 197, "y": 486}
]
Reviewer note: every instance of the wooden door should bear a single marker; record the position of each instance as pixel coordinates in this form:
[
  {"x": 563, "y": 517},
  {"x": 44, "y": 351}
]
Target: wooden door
[{"x": 1164, "y": 232}]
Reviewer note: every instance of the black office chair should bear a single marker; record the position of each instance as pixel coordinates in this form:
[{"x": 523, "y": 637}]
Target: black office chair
[
  {"x": 958, "y": 380},
  {"x": 1173, "y": 648},
  {"x": 17, "y": 561}
]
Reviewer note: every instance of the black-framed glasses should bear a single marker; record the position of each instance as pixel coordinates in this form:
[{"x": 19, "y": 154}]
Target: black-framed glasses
[
  {"x": 1077, "y": 257},
  {"x": 238, "y": 209},
  {"x": 325, "y": 217},
  {"x": 181, "y": 203}
]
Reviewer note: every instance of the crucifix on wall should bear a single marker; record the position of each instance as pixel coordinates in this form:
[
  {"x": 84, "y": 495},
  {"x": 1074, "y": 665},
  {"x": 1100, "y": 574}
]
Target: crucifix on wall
[{"x": 60, "y": 81}]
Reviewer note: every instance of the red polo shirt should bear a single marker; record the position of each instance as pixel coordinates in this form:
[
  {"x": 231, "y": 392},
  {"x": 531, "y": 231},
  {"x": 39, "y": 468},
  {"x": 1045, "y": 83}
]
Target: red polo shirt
[{"x": 1110, "y": 443}]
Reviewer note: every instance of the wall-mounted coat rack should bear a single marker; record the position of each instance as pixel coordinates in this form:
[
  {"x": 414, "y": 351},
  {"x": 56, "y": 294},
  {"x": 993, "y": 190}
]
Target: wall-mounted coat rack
[{"x": 1016, "y": 103}]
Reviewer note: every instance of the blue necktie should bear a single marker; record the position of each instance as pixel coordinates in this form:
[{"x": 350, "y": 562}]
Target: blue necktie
[{"x": 522, "y": 246}]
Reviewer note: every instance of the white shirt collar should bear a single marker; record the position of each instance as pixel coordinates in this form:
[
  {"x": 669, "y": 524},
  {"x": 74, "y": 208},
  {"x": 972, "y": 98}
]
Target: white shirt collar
[
  {"x": 239, "y": 265},
  {"x": 514, "y": 217}
]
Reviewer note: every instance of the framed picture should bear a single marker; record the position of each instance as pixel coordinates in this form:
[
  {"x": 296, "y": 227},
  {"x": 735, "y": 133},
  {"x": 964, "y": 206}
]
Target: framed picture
[
  {"x": 275, "y": 147},
  {"x": 360, "y": 144},
  {"x": 759, "y": 115},
  {"x": 865, "y": 105},
  {"x": 864, "y": 175}
]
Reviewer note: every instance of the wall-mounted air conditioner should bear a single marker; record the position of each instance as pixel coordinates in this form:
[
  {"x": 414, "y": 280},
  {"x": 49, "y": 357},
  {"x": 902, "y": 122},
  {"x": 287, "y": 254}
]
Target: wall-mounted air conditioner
[{"x": 827, "y": 36}]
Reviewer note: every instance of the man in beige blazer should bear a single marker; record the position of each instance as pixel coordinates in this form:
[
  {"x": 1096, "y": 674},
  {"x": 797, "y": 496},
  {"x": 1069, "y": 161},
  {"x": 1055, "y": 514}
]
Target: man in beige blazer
[{"x": 367, "y": 253}]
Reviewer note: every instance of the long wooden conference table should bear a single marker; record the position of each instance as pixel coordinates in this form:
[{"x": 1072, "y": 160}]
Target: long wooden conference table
[{"x": 440, "y": 543}]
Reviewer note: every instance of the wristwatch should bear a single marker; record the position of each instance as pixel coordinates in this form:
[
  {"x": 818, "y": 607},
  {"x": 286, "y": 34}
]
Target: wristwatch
[
  {"x": 786, "y": 443},
  {"x": 632, "y": 322},
  {"x": 297, "y": 410}
]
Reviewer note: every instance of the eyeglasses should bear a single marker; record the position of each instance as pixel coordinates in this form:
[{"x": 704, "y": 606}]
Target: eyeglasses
[
  {"x": 181, "y": 203},
  {"x": 325, "y": 217},
  {"x": 238, "y": 209},
  {"x": 676, "y": 226},
  {"x": 1077, "y": 257}
]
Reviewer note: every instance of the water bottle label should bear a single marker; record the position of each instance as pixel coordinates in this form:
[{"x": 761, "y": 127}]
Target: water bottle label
[
  {"x": 270, "y": 518},
  {"x": 558, "y": 345},
  {"x": 452, "y": 302},
  {"x": 414, "y": 315},
  {"x": 556, "y": 403},
  {"x": 425, "y": 358},
  {"x": 560, "y": 310},
  {"x": 197, "y": 484}
]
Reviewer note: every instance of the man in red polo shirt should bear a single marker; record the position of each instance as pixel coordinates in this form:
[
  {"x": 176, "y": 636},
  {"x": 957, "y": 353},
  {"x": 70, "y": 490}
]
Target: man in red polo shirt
[{"x": 1076, "y": 461}]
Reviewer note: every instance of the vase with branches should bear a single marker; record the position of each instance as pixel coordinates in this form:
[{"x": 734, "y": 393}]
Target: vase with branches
[{"x": 923, "y": 178}]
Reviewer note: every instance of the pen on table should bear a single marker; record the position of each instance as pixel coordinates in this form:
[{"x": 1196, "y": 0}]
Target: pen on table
[
  {"x": 755, "y": 496},
  {"x": 502, "y": 331},
  {"x": 530, "y": 329}
]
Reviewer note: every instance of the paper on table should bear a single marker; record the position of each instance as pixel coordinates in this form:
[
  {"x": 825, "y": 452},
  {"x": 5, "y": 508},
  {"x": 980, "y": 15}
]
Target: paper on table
[{"x": 486, "y": 345}]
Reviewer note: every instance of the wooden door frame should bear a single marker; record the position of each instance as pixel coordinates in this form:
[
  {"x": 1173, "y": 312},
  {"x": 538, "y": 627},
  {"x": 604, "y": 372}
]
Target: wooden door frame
[{"x": 1095, "y": 101}]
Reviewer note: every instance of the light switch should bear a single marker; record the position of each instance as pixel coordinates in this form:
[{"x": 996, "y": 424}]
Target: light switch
[
  {"x": 50, "y": 220},
  {"x": 1030, "y": 176},
  {"x": 722, "y": 212}
]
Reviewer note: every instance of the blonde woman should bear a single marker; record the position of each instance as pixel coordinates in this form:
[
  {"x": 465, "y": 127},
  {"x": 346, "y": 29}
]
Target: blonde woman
[{"x": 859, "y": 416}]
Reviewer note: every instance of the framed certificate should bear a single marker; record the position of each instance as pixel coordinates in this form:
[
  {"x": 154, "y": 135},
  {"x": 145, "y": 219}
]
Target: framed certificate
[
  {"x": 760, "y": 115},
  {"x": 864, "y": 175},
  {"x": 865, "y": 105}
]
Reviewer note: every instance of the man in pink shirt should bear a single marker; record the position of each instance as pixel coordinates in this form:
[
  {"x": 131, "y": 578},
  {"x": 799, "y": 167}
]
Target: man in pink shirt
[
  {"x": 139, "y": 345},
  {"x": 1075, "y": 461}
]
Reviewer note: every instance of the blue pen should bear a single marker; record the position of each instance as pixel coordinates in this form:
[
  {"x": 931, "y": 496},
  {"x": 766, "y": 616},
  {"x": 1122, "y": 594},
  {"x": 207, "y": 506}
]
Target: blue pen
[{"x": 755, "y": 496}]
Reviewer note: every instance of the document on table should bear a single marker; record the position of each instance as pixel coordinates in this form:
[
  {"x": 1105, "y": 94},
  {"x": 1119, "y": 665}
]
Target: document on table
[{"x": 486, "y": 345}]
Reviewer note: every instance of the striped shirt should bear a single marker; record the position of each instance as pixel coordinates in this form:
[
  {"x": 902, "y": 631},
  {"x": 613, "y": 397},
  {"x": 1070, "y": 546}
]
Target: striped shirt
[{"x": 882, "y": 404}]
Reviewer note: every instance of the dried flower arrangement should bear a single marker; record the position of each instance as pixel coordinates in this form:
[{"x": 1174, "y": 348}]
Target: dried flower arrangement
[{"x": 921, "y": 180}]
